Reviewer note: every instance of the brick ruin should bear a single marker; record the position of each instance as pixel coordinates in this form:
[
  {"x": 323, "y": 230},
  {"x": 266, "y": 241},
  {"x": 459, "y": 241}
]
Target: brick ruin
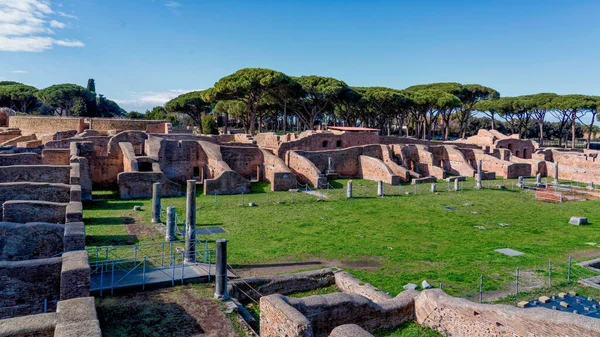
[{"x": 48, "y": 166}]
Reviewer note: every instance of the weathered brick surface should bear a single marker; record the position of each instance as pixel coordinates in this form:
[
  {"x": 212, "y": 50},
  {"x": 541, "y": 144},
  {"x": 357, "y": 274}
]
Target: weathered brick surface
[
  {"x": 74, "y": 236},
  {"x": 279, "y": 319},
  {"x": 26, "y": 284},
  {"x": 105, "y": 124},
  {"x": 25, "y": 190},
  {"x": 56, "y": 156},
  {"x": 35, "y": 173},
  {"x": 75, "y": 275},
  {"x": 349, "y": 284},
  {"x": 326, "y": 312},
  {"x": 30, "y": 241},
  {"x": 32, "y": 211},
  {"x": 280, "y": 284},
  {"x": 460, "y": 317},
  {"x": 40, "y": 325},
  {"x": 20, "y": 159},
  {"x": 348, "y": 330},
  {"x": 29, "y": 125}
]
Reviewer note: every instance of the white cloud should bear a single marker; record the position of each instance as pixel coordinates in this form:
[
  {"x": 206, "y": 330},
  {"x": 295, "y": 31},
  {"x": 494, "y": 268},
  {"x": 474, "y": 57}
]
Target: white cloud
[
  {"x": 57, "y": 24},
  {"x": 68, "y": 16},
  {"x": 149, "y": 99},
  {"x": 19, "y": 71},
  {"x": 26, "y": 26},
  {"x": 172, "y": 4}
]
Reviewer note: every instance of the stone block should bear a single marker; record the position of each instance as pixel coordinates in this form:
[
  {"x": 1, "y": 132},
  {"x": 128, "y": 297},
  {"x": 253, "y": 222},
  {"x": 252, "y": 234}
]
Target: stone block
[
  {"x": 564, "y": 304},
  {"x": 544, "y": 299},
  {"x": 578, "y": 221},
  {"x": 562, "y": 295},
  {"x": 75, "y": 275},
  {"x": 348, "y": 330},
  {"x": 74, "y": 236},
  {"x": 523, "y": 304}
]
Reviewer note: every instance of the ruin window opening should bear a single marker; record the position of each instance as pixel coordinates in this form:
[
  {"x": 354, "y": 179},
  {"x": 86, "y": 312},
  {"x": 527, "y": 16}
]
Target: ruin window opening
[
  {"x": 145, "y": 166},
  {"x": 138, "y": 149},
  {"x": 196, "y": 172},
  {"x": 338, "y": 143},
  {"x": 324, "y": 144}
]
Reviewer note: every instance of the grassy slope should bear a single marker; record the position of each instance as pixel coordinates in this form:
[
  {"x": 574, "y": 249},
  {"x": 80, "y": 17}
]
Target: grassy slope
[{"x": 412, "y": 237}]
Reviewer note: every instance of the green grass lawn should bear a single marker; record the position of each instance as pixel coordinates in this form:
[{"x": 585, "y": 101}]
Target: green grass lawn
[{"x": 392, "y": 241}]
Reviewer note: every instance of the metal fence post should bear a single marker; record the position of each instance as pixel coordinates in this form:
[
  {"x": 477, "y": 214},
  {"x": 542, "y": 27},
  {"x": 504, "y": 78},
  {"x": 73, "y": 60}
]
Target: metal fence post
[
  {"x": 162, "y": 260},
  {"x": 569, "y": 270},
  {"x": 135, "y": 254},
  {"x": 480, "y": 288},
  {"x": 550, "y": 272},
  {"x": 112, "y": 278},
  {"x": 205, "y": 250},
  {"x": 517, "y": 284},
  {"x": 182, "y": 266},
  {"x": 144, "y": 275},
  {"x": 45, "y": 305},
  {"x": 101, "y": 278}
]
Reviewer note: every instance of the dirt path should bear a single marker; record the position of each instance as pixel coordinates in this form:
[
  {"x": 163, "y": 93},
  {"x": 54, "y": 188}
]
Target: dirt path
[{"x": 290, "y": 267}]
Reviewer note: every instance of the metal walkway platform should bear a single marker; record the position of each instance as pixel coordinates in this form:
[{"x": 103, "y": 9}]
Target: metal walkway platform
[{"x": 110, "y": 280}]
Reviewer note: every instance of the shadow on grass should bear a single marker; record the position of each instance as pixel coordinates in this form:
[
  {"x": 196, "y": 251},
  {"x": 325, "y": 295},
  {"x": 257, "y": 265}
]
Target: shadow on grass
[
  {"x": 145, "y": 317},
  {"x": 109, "y": 221},
  {"x": 109, "y": 240},
  {"x": 110, "y": 205}
]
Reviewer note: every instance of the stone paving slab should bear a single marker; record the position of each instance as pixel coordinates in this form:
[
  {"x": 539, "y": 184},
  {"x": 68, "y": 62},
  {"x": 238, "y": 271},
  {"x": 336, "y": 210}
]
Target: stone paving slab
[{"x": 509, "y": 252}]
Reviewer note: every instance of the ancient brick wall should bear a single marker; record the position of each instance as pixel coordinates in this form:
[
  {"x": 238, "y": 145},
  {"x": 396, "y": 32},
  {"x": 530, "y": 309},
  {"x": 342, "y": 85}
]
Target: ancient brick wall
[
  {"x": 277, "y": 173},
  {"x": 257, "y": 287},
  {"x": 304, "y": 169},
  {"x": 322, "y": 141},
  {"x": 35, "y": 191},
  {"x": 77, "y": 317},
  {"x": 244, "y": 160},
  {"x": 30, "y": 241},
  {"x": 31, "y": 125},
  {"x": 519, "y": 148},
  {"x": 7, "y": 135},
  {"x": 105, "y": 124},
  {"x": 38, "y": 325},
  {"x": 180, "y": 158},
  {"x": 567, "y": 172},
  {"x": 75, "y": 275},
  {"x": 56, "y": 156},
  {"x": 374, "y": 169},
  {"x": 15, "y": 141},
  {"x": 35, "y": 173},
  {"x": 26, "y": 284},
  {"x": 278, "y": 318},
  {"x": 461, "y": 317},
  {"x": 134, "y": 185},
  {"x": 228, "y": 182},
  {"x": 326, "y": 312},
  {"x": 32, "y": 211},
  {"x": 20, "y": 159}
]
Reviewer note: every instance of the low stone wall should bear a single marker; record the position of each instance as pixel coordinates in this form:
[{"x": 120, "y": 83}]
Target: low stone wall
[
  {"x": 20, "y": 159},
  {"x": 349, "y": 330},
  {"x": 277, "y": 173},
  {"x": 105, "y": 124},
  {"x": 75, "y": 275},
  {"x": 30, "y": 125},
  {"x": 32, "y": 211},
  {"x": 460, "y": 317},
  {"x": 304, "y": 169},
  {"x": 35, "y": 191},
  {"x": 30, "y": 241},
  {"x": 35, "y": 173},
  {"x": 73, "y": 318},
  {"x": 374, "y": 169},
  {"x": 349, "y": 284},
  {"x": 229, "y": 182},
  {"x": 318, "y": 315},
  {"x": 135, "y": 185},
  {"x": 40, "y": 325},
  {"x": 56, "y": 156},
  {"x": 20, "y": 139},
  {"x": 26, "y": 284},
  {"x": 280, "y": 284}
]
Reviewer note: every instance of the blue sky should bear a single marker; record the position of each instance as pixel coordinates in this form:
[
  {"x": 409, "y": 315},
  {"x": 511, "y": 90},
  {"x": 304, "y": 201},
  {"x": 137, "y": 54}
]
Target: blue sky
[{"x": 143, "y": 52}]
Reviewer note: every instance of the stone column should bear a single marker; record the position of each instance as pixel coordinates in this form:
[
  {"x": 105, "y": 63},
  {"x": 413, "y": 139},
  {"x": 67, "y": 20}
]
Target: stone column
[
  {"x": 456, "y": 184},
  {"x": 349, "y": 189},
  {"x": 380, "y": 188},
  {"x": 538, "y": 179},
  {"x": 521, "y": 183},
  {"x": 479, "y": 175},
  {"x": 156, "y": 202},
  {"x": 170, "y": 234},
  {"x": 433, "y": 188},
  {"x": 190, "y": 222},
  {"x": 221, "y": 271},
  {"x": 556, "y": 173}
]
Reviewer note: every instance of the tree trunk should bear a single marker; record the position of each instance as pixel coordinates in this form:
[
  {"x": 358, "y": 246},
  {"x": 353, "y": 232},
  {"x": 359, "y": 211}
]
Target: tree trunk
[
  {"x": 251, "y": 122},
  {"x": 284, "y": 117},
  {"x": 573, "y": 130},
  {"x": 589, "y": 136},
  {"x": 541, "y": 134}
]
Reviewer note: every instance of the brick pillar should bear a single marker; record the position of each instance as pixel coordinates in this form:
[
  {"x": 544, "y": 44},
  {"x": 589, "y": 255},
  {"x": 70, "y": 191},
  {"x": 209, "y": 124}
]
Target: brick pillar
[
  {"x": 156, "y": 202},
  {"x": 190, "y": 222}
]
